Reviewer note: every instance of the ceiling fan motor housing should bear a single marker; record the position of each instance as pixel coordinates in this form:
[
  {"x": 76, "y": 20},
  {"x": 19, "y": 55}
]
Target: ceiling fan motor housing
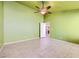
[{"x": 43, "y": 11}]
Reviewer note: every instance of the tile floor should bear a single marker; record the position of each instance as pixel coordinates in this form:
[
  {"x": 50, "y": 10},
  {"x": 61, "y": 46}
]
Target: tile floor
[{"x": 41, "y": 48}]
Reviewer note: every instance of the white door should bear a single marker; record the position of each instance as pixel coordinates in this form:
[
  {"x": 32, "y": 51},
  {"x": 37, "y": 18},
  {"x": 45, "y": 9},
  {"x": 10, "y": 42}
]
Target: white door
[{"x": 44, "y": 30}]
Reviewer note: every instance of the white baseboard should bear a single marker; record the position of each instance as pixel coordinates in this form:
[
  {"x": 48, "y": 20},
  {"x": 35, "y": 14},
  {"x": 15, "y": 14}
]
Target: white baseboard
[
  {"x": 19, "y": 41},
  {"x": 1, "y": 48}
]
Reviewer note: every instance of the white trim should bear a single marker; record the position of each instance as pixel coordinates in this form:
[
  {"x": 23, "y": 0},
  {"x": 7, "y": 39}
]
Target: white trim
[{"x": 19, "y": 41}]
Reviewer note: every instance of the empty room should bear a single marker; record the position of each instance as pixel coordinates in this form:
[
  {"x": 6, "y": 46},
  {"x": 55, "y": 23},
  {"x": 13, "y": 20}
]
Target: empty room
[{"x": 39, "y": 29}]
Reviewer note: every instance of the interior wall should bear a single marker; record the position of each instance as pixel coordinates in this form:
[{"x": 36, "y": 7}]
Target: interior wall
[
  {"x": 20, "y": 22},
  {"x": 1, "y": 23},
  {"x": 65, "y": 25}
]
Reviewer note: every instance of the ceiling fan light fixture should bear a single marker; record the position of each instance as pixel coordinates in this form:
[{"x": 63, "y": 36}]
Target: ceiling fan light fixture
[
  {"x": 43, "y": 13},
  {"x": 43, "y": 10}
]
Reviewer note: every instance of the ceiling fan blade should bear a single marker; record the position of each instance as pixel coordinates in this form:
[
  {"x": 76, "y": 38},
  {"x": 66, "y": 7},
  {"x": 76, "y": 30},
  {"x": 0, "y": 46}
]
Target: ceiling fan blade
[
  {"x": 48, "y": 7},
  {"x": 49, "y": 12},
  {"x": 35, "y": 12},
  {"x": 37, "y": 7}
]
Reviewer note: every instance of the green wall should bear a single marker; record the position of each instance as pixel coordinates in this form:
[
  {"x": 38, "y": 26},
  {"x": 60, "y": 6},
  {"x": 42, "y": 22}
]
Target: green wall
[
  {"x": 20, "y": 22},
  {"x": 65, "y": 25},
  {"x": 1, "y": 23}
]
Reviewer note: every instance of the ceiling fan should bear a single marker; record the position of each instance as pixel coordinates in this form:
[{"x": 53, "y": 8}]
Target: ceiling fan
[{"x": 43, "y": 10}]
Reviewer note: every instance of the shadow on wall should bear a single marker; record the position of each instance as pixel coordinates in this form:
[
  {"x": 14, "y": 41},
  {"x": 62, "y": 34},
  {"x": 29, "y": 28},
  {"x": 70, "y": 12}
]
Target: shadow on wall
[{"x": 73, "y": 40}]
